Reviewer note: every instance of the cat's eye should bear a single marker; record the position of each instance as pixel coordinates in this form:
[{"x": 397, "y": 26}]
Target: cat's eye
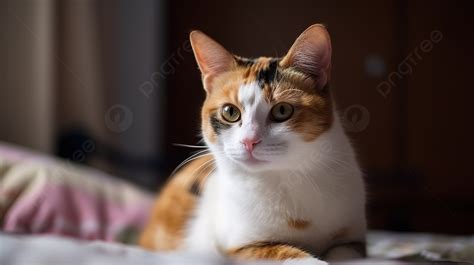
[
  {"x": 282, "y": 112},
  {"x": 230, "y": 113}
]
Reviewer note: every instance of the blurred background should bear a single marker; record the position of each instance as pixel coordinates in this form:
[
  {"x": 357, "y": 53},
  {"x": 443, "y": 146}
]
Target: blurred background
[{"x": 113, "y": 84}]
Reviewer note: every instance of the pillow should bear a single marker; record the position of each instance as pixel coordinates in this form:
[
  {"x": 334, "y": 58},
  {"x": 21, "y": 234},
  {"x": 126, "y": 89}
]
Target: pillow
[{"x": 40, "y": 194}]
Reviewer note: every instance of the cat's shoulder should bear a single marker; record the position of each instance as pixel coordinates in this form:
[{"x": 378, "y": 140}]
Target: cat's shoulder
[{"x": 175, "y": 205}]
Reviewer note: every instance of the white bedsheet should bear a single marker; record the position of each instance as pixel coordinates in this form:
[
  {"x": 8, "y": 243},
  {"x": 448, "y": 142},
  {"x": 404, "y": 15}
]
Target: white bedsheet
[{"x": 53, "y": 250}]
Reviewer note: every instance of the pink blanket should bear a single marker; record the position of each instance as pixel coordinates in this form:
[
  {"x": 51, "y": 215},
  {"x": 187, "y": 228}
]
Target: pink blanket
[{"x": 40, "y": 194}]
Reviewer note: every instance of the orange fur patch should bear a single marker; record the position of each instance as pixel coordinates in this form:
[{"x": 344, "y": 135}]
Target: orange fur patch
[
  {"x": 225, "y": 90},
  {"x": 174, "y": 206},
  {"x": 313, "y": 109},
  {"x": 267, "y": 250}
]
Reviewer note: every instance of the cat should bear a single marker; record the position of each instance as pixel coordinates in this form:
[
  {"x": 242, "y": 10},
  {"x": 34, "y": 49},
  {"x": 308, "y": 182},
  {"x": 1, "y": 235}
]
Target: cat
[{"x": 279, "y": 179}]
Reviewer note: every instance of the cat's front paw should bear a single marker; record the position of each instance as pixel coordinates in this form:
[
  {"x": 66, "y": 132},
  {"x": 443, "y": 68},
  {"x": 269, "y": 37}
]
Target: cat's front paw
[{"x": 305, "y": 261}]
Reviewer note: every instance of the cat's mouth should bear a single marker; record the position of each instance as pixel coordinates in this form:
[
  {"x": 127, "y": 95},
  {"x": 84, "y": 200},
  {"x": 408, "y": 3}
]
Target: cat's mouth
[
  {"x": 254, "y": 161},
  {"x": 251, "y": 160},
  {"x": 256, "y": 158}
]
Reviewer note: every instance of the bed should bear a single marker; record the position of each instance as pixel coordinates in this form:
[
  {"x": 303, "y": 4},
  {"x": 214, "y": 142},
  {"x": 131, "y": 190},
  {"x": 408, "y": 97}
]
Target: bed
[{"x": 56, "y": 212}]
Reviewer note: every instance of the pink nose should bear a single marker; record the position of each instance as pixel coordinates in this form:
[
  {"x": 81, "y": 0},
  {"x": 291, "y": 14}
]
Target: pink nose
[{"x": 250, "y": 143}]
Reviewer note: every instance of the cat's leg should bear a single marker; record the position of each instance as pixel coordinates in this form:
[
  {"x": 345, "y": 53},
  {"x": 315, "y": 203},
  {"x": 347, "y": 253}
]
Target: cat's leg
[
  {"x": 346, "y": 251},
  {"x": 274, "y": 251}
]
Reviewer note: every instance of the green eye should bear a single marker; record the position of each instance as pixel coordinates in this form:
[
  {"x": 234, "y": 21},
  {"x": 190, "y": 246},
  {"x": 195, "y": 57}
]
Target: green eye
[
  {"x": 282, "y": 112},
  {"x": 230, "y": 113}
]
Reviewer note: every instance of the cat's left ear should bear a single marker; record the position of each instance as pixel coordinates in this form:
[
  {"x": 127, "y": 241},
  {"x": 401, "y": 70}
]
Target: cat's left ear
[
  {"x": 311, "y": 54},
  {"x": 212, "y": 58}
]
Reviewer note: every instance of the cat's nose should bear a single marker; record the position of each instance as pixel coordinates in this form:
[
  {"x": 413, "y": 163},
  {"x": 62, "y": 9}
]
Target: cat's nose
[{"x": 250, "y": 143}]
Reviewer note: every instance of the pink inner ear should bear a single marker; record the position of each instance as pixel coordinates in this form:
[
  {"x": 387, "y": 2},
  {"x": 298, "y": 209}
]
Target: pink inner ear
[
  {"x": 311, "y": 54},
  {"x": 312, "y": 62},
  {"x": 212, "y": 61},
  {"x": 212, "y": 58}
]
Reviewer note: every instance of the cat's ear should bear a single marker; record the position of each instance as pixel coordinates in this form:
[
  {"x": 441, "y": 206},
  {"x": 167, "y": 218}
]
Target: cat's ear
[
  {"x": 212, "y": 58},
  {"x": 311, "y": 54}
]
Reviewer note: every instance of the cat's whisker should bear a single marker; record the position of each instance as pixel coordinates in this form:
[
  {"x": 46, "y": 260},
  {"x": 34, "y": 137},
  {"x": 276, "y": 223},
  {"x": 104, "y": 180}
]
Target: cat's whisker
[
  {"x": 204, "y": 166},
  {"x": 279, "y": 144},
  {"x": 190, "y": 145},
  {"x": 195, "y": 156},
  {"x": 340, "y": 162},
  {"x": 269, "y": 152},
  {"x": 334, "y": 152},
  {"x": 197, "y": 153}
]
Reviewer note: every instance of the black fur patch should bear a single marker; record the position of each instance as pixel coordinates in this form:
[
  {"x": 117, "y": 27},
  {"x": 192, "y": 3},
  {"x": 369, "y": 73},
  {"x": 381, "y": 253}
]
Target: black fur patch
[
  {"x": 269, "y": 74},
  {"x": 245, "y": 62},
  {"x": 194, "y": 189},
  {"x": 359, "y": 247},
  {"x": 218, "y": 125}
]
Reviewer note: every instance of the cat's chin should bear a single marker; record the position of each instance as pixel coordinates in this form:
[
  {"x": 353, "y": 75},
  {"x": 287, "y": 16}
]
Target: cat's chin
[
  {"x": 253, "y": 164},
  {"x": 254, "y": 161}
]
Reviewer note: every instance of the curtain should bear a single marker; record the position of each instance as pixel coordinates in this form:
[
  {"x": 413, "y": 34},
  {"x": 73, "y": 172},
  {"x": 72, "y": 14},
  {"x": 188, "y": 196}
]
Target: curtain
[
  {"x": 27, "y": 73},
  {"x": 72, "y": 69}
]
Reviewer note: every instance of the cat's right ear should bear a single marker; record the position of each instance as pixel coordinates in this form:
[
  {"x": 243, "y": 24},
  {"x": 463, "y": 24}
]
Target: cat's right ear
[{"x": 211, "y": 57}]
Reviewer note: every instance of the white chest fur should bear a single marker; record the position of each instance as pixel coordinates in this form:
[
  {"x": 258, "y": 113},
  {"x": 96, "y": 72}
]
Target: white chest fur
[{"x": 325, "y": 190}]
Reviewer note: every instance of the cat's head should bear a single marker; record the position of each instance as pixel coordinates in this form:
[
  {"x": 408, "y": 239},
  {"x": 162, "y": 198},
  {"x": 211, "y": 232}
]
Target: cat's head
[{"x": 262, "y": 113}]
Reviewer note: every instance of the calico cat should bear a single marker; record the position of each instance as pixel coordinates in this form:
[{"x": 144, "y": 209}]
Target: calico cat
[{"x": 279, "y": 179}]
